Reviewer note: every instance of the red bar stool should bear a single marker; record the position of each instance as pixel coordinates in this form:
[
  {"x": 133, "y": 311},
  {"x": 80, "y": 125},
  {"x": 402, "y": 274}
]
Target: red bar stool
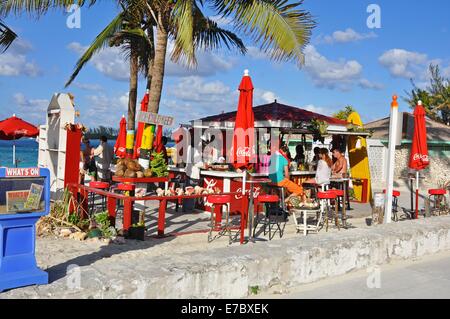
[
  {"x": 340, "y": 198},
  {"x": 104, "y": 186},
  {"x": 272, "y": 214},
  {"x": 224, "y": 228},
  {"x": 440, "y": 202},
  {"x": 325, "y": 205},
  {"x": 395, "y": 196}
]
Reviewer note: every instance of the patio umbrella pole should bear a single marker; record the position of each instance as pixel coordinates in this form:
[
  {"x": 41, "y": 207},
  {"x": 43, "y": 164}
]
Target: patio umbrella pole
[
  {"x": 417, "y": 195},
  {"x": 14, "y": 153}
]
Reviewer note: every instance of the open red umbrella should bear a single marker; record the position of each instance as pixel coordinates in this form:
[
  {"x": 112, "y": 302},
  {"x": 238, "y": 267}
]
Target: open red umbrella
[
  {"x": 242, "y": 150},
  {"x": 120, "y": 148},
  {"x": 419, "y": 159},
  {"x": 14, "y": 128},
  {"x": 141, "y": 126}
]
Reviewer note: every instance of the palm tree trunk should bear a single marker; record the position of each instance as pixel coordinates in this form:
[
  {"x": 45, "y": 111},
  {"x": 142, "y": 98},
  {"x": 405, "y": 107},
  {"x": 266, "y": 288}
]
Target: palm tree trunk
[
  {"x": 132, "y": 97},
  {"x": 159, "y": 65}
]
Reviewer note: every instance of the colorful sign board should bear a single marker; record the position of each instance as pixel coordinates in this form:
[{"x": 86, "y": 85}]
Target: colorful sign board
[{"x": 154, "y": 118}]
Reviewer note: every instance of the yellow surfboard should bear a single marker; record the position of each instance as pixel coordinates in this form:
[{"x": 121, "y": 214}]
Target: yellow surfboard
[{"x": 359, "y": 161}]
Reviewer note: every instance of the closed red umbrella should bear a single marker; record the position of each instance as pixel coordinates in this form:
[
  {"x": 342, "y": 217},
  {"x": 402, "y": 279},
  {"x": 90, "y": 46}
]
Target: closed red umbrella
[
  {"x": 141, "y": 126},
  {"x": 120, "y": 148},
  {"x": 158, "y": 145},
  {"x": 419, "y": 159},
  {"x": 242, "y": 150},
  {"x": 14, "y": 128}
]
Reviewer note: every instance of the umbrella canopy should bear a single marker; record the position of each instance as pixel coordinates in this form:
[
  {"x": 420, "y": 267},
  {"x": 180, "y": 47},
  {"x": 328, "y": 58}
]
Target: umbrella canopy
[
  {"x": 419, "y": 159},
  {"x": 141, "y": 126},
  {"x": 243, "y": 137},
  {"x": 14, "y": 128},
  {"x": 120, "y": 148},
  {"x": 158, "y": 145}
]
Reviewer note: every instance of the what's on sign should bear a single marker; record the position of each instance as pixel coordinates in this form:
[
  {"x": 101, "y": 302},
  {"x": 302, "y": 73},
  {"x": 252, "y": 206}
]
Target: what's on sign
[
  {"x": 154, "y": 118},
  {"x": 22, "y": 172}
]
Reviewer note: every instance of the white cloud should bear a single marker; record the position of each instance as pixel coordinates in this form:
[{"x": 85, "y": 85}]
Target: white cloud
[
  {"x": 111, "y": 62},
  {"x": 223, "y": 22},
  {"x": 317, "y": 109},
  {"x": 349, "y": 35},
  {"x": 340, "y": 74},
  {"x": 88, "y": 86},
  {"x": 404, "y": 64},
  {"x": 194, "y": 98},
  {"x": 256, "y": 53},
  {"x": 31, "y": 109},
  {"x": 366, "y": 84},
  {"x": 14, "y": 62},
  {"x": 105, "y": 110}
]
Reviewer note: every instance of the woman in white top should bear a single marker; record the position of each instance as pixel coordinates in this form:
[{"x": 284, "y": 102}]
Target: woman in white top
[{"x": 323, "y": 172}]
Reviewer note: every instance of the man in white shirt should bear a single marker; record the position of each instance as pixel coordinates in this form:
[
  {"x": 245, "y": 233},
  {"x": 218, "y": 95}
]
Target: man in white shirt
[{"x": 105, "y": 155}]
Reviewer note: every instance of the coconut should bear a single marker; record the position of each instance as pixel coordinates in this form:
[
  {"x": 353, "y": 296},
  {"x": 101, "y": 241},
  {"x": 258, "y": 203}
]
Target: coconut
[
  {"x": 121, "y": 167},
  {"x": 148, "y": 172},
  {"x": 130, "y": 174},
  {"x": 120, "y": 173},
  {"x": 139, "y": 174}
]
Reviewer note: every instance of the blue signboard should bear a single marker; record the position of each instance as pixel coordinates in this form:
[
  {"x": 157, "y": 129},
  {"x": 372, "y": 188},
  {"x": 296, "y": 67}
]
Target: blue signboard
[{"x": 24, "y": 198}]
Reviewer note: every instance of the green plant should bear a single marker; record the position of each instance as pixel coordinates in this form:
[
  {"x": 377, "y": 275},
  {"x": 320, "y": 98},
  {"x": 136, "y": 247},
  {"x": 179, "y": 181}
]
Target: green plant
[
  {"x": 319, "y": 130},
  {"x": 254, "y": 290},
  {"x": 158, "y": 165},
  {"x": 103, "y": 223}
]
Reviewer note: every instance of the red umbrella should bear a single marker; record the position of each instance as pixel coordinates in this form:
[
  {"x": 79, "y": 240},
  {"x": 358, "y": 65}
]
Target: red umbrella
[
  {"x": 141, "y": 126},
  {"x": 242, "y": 149},
  {"x": 120, "y": 148},
  {"x": 14, "y": 128},
  {"x": 419, "y": 159},
  {"x": 158, "y": 145}
]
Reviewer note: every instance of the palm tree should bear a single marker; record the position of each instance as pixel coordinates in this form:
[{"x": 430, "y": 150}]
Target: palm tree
[
  {"x": 281, "y": 29},
  {"x": 126, "y": 30},
  {"x": 7, "y": 36}
]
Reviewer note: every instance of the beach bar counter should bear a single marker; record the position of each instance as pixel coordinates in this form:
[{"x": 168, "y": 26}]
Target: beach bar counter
[{"x": 24, "y": 198}]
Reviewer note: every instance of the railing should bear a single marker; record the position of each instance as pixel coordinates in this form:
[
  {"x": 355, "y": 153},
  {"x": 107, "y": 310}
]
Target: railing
[{"x": 83, "y": 192}]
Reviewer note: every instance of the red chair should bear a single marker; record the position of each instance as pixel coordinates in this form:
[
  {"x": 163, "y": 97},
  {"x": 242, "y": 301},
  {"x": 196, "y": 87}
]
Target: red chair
[
  {"x": 273, "y": 215},
  {"x": 98, "y": 185},
  {"x": 325, "y": 206},
  {"x": 440, "y": 202},
  {"x": 218, "y": 202},
  {"x": 395, "y": 196}
]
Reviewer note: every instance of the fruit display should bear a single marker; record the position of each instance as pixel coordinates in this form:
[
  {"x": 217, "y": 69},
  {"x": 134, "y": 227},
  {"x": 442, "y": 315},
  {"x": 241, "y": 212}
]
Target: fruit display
[
  {"x": 130, "y": 168},
  {"x": 297, "y": 203}
]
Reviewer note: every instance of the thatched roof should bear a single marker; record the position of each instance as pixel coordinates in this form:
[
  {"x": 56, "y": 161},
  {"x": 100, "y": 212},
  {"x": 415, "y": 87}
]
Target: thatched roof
[{"x": 435, "y": 131}]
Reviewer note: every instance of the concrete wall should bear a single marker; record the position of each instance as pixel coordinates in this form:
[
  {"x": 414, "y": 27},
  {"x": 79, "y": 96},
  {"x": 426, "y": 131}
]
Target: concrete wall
[
  {"x": 437, "y": 173},
  {"x": 230, "y": 272}
]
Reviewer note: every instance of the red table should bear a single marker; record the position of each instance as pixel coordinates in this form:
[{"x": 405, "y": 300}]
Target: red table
[{"x": 140, "y": 180}]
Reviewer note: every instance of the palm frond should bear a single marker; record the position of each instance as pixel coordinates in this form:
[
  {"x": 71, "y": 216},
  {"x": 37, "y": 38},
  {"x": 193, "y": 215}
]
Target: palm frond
[
  {"x": 38, "y": 7},
  {"x": 183, "y": 23},
  {"x": 281, "y": 29},
  {"x": 7, "y": 36},
  {"x": 101, "y": 41}
]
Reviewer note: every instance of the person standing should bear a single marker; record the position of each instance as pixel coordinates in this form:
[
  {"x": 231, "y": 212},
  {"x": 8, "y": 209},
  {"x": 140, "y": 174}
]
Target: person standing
[
  {"x": 279, "y": 172},
  {"x": 89, "y": 162},
  {"x": 105, "y": 155},
  {"x": 323, "y": 172}
]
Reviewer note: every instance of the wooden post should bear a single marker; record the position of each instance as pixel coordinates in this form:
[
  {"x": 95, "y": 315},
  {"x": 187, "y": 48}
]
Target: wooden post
[
  {"x": 112, "y": 210},
  {"x": 127, "y": 211},
  {"x": 162, "y": 217}
]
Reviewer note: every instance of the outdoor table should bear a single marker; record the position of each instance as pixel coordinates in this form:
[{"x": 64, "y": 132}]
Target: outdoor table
[
  {"x": 251, "y": 210},
  {"x": 346, "y": 204},
  {"x": 128, "y": 202}
]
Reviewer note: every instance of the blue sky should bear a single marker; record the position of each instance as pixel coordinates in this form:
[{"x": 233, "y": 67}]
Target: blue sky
[{"x": 346, "y": 63}]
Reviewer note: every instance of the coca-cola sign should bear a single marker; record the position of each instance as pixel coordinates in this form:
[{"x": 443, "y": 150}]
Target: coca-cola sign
[
  {"x": 243, "y": 151},
  {"x": 420, "y": 157}
]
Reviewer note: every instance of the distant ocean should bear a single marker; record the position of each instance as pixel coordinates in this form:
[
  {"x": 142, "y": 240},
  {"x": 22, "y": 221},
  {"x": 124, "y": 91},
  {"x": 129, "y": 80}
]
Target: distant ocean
[{"x": 26, "y": 152}]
